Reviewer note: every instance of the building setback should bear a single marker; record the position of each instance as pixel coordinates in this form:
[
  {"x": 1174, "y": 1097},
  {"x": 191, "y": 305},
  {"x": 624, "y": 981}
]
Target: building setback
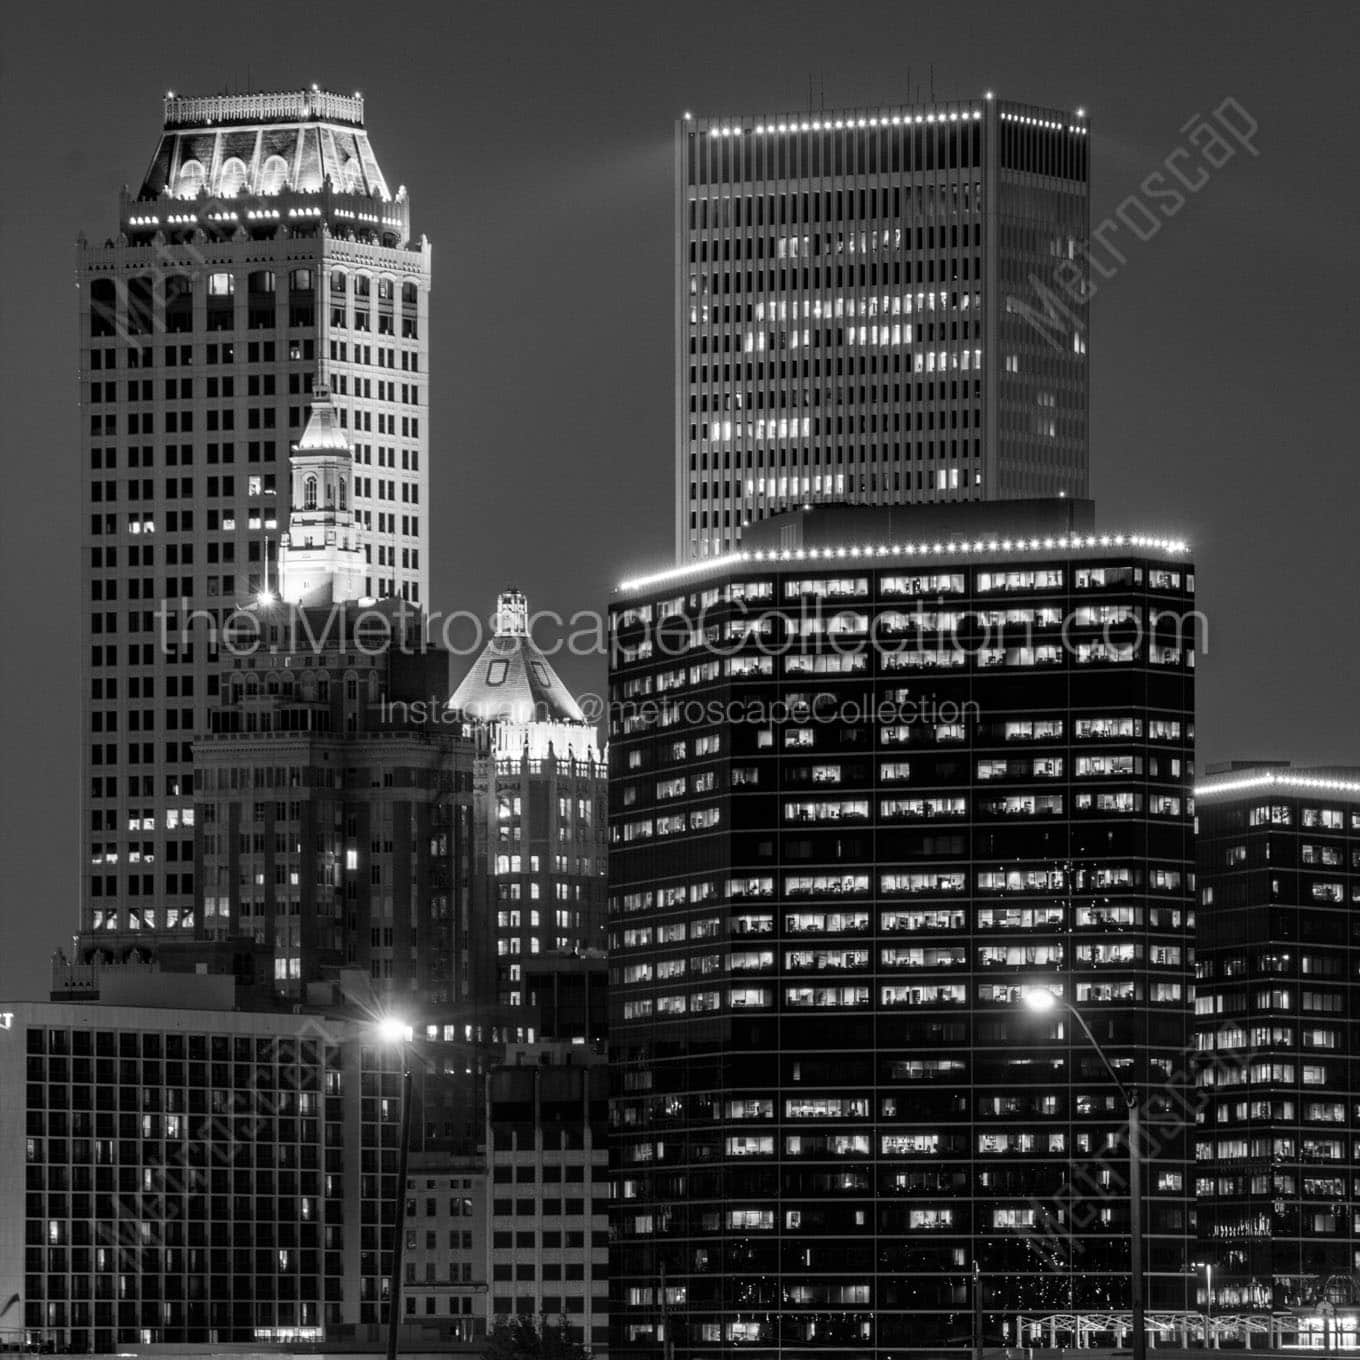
[
  {"x": 865, "y": 792},
  {"x": 1277, "y": 1158},
  {"x": 263, "y": 243},
  {"x": 878, "y": 305}
]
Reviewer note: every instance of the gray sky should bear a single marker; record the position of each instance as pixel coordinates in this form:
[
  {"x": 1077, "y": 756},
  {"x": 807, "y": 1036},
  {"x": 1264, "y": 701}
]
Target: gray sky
[{"x": 535, "y": 142}]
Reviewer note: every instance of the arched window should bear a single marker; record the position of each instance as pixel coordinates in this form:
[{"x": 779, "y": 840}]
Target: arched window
[
  {"x": 409, "y": 294},
  {"x": 274, "y": 175},
  {"x": 309, "y": 493},
  {"x": 384, "y": 290},
  {"x": 337, "y": 280},
  {"x": 362, "y": 282},
  {"x": 300, "y": 281},
  {"x": 231, "y": 179},
  {"x": 352, "y": 177},
  {"x": 261, "y": 281},
  {"x": 189, "y": 183}
]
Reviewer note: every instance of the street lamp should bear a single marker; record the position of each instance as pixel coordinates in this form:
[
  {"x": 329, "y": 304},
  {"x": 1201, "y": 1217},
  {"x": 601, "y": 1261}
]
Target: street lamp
[
  {"x": 1042, "y": 1000},
  {"x": 393, "y": 1030},
  {"x": 1208, "y": 1268}
]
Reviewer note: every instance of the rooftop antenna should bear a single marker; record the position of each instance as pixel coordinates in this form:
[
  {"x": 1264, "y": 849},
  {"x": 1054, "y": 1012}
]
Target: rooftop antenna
[{"x": 932, "y": 82}]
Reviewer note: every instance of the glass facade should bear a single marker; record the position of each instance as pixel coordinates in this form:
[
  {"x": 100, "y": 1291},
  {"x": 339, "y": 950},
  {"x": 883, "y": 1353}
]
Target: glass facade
[
  {"x": 183, "y": 1179},
  {"x": 861, "y": 800},
  {"x": 1277, "y": 1156}
]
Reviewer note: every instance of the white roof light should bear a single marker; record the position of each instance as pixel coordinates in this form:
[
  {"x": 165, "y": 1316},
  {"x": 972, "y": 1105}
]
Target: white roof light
[
  {"x": 1170, "y": 546},
  {"x": 1218, "y": 786}
]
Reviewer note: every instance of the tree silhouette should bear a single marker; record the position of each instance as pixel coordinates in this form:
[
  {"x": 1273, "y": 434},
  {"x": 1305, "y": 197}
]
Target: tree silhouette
[{"x": 523, "y": 1338}]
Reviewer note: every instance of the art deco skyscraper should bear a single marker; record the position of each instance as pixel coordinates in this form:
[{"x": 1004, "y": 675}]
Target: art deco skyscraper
[
  {"x": 877, "y": 306},
  {"x": 263, "y": 246}
]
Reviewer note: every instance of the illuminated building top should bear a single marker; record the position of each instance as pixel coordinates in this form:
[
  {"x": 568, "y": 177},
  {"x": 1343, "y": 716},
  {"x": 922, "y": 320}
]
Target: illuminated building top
[
  {"x": 514, "y": 689},
  {"x": 264, "y": 145},
  {"x": 1282, "y": 778},
  {"x": 962, "y": 548}
]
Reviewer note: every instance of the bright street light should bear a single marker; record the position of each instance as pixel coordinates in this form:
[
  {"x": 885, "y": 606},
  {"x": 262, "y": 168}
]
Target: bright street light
[{"x": 393, "y": 1030}]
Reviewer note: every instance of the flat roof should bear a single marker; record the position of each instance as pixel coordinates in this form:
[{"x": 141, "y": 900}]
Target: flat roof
[{"x": 912, "y": 554}]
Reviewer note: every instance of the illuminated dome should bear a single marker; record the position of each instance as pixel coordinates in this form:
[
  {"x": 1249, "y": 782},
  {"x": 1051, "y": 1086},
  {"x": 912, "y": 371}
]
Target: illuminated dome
[{"x": 511, "y": 681}]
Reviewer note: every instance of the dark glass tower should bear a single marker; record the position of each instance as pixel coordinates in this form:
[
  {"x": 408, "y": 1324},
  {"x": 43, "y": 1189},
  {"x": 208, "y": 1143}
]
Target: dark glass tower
[
  {"x": 1277, "y": 1162},
  {"x": 865, "y": 792}
]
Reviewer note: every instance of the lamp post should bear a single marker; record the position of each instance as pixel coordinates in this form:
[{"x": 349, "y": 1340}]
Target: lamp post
[
  {"x": 395, "y": 1031},
  {"x": 1208, "y": 1268},
  {"x": 1041, "y": 1000},
  {"x": 1208, "y": 1302}
]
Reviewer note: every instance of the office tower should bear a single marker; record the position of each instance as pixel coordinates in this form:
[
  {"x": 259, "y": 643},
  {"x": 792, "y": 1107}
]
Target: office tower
[
  {"x": 263, "y": 245},
  {"x": 332, "y": 829},
  {"x": 333, "y": 812},
  {"x": 878, "y": 306},
  {"x": 540, "y": 790},
  {"x": 868, "y": 791},
  {"x": 129, "y": 1210},
  {"x": 447, "y": 1257},
  {"x": 1277, "y": 1161},
  {"x": 176, "y": 1170},
  {"x": 548, "y": 1158}
]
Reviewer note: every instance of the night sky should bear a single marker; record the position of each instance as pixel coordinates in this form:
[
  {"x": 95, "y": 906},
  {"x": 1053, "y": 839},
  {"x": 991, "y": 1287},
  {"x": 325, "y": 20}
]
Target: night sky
[{"x": 535, "y": 141}]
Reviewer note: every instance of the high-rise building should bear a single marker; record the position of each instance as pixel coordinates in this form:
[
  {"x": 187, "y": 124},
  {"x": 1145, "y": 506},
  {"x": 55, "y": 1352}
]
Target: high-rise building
[
  {"x": 877, "y": 306},
  {"x": 263, "y": 246},
  {"x": 178, "y": 1171},
  {"x": 868, "y": 791},
  {"x": 330, "y": 827},
  {"x": 123, "y": 1225},
  {"x": 1277, "y": 1157},
  {"x": 541, "y": 801}
]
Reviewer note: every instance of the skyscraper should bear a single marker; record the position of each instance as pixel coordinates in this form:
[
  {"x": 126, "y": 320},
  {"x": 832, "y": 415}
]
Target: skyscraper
[
  {"x": 868, "y": 308},
  {"x": 1277, "y": 1157},
  {"x": 867, "y": 791},
  {"x": 541, "y": 808},
  {"x": 263, "y": 245}
]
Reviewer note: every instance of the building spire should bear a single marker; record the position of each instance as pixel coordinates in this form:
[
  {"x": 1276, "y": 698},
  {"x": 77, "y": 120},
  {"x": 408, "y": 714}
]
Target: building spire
[{"x": 321, "y": 560}]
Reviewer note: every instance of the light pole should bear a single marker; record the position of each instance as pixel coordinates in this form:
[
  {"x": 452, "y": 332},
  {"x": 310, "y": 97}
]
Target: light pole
[
  {"x": 977, "y": 1311},
  {"x": 1041, "y": 1000},
  {"x": 395, "y": 1031},
  {"x": 1208, "y": 1268}
]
